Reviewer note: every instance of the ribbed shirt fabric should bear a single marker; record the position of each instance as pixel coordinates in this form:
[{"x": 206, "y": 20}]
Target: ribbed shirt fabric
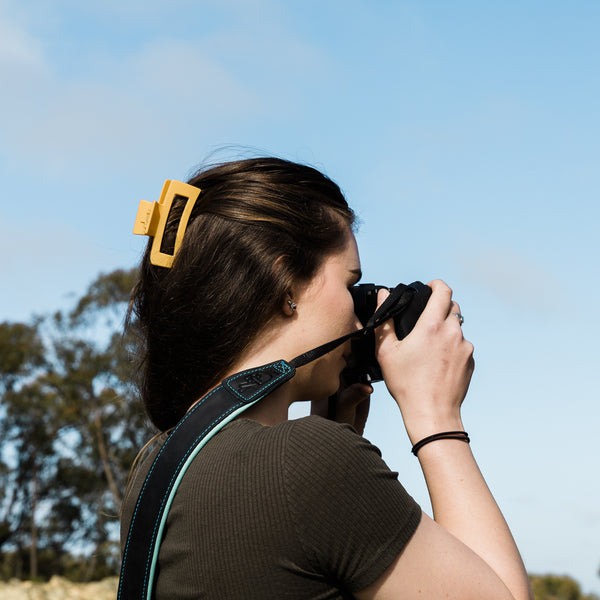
[{"x": 303, "y": 510}]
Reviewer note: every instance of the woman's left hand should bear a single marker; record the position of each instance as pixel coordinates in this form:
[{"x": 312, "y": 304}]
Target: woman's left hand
[{"x": 351, "y": 405}]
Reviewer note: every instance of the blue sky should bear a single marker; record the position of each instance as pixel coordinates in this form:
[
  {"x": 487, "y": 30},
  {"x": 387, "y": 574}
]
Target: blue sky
[{"x": 465, "y": 134}]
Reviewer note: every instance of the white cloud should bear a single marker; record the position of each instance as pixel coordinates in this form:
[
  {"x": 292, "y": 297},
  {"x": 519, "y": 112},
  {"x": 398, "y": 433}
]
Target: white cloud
[
  {"x": 517, "y": 280},
  {"x": 17, "y": 47},
  {"x": 131, "y": 103},
  {"x": 148, "y": 99}
]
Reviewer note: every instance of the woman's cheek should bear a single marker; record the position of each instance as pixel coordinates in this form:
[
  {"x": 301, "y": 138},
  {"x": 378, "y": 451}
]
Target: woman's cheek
[{"x": 354, "y": 321}]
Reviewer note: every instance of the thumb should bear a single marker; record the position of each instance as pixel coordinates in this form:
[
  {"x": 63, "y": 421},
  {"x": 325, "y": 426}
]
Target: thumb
[{"x": 385, "y": 335}]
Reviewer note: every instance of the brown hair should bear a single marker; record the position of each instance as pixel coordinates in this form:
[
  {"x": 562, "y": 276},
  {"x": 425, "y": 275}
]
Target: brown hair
[{"x": 259, "y": 227}]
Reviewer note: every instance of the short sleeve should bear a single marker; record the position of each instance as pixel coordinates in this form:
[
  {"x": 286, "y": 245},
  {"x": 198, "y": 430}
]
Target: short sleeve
[{"x": 351, "y": 514}]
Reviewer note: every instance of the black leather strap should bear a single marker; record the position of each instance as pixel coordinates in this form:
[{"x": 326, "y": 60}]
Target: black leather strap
[
  {"x": 234, "y": 395},
  {"x": 393, "y": 306}
]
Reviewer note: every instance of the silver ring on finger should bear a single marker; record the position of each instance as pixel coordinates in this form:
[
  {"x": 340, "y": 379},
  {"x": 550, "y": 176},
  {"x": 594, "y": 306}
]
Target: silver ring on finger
[{"x": 460, "y": 318}]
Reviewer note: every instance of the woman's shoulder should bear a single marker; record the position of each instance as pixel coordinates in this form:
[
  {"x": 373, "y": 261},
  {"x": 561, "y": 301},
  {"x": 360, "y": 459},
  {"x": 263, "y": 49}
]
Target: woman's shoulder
[
  {"x": 361, "y": 515},
  {"x": 321, "y": 430},
  {"x": 318, "y": 424},
  {"x": 312, "y": 427},
  {"x": 314, "y": 443},
  {"x": 306, "y": 434}
]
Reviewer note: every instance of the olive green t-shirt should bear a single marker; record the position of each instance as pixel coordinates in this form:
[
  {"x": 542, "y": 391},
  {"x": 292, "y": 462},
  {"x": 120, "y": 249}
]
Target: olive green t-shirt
[{"x": 305, "y": 509}]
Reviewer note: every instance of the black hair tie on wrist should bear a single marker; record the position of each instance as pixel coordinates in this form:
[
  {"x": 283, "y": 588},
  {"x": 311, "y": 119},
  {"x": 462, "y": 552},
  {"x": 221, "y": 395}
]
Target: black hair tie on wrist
[{"x": 446, "y": 435}]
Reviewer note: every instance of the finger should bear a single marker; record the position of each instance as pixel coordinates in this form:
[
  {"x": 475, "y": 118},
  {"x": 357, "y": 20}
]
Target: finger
[
  {"x": 320, "y": 407},
  {"x": 454, "y": 308},
  {"x": 353, "y": 405},
  {"x": 382, "y": 294},
  {"x": 362, "y": 413},
  {"x": 438, "y": 306},
  {"x": 454, "y": 313},
  {"x": 354, "y": 395},
  {"x": 385, "y": 335}
]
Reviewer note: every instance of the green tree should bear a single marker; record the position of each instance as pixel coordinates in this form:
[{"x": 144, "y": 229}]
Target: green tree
[
  {"x": 21, "y": 352},
  {"x": 30, "y": 428},
  {"x": 71, "y": 426},
  {"x": 557, "y": 587}
]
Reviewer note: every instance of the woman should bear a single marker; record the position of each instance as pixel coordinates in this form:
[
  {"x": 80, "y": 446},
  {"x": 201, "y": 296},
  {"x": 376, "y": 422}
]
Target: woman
[{"x": 260, "y": 269}]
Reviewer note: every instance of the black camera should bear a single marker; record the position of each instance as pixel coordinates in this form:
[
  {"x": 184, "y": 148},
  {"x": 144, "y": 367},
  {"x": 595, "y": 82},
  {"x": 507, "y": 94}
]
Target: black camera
[{"x": 362, "y": 365}]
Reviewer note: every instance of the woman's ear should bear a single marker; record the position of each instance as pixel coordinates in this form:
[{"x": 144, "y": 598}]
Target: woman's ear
[{"x": 289, "y": 306}]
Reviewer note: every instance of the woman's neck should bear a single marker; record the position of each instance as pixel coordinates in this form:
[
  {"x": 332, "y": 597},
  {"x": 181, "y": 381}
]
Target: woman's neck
[{"x": 271, "y": 410}]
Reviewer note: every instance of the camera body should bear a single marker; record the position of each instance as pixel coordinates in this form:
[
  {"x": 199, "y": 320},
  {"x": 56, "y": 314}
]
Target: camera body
[{"x": 362, "y": 365}]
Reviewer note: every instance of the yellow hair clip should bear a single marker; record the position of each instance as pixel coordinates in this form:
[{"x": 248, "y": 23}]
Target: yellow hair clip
[{"x": 152, "y": 217}]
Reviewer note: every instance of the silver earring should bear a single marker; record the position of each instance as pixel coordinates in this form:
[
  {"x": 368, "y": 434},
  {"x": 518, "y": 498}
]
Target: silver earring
[{"x": 292, "y": 305}]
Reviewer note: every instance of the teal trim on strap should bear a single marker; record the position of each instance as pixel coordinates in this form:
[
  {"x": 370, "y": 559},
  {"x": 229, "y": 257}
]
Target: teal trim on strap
[
  {"x": 209, "y": 415},
  {"x": 171, "y": 496}
]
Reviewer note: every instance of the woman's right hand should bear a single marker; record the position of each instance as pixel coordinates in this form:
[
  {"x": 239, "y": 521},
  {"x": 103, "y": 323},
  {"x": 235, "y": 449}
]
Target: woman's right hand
[
  {"x": 469, "y": 550},
  {"x": 429, "y": 371}
]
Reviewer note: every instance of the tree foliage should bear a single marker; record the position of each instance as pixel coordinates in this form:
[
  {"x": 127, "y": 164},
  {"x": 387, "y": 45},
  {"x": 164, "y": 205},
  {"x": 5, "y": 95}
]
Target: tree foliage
[
  {"x": 70, "y": 427},
  {"x": 557, "y": 587},
  {"x": 21, "y": 351}
]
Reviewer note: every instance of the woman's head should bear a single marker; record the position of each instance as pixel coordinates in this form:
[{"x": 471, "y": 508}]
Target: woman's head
[{"x": 259, "y": 229}]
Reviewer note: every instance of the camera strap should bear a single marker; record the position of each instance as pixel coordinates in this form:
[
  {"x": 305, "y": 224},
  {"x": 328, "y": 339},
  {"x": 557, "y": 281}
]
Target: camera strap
[
  {"x": 399, "y": 298},
  {"x": 208, "y": 416}
]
